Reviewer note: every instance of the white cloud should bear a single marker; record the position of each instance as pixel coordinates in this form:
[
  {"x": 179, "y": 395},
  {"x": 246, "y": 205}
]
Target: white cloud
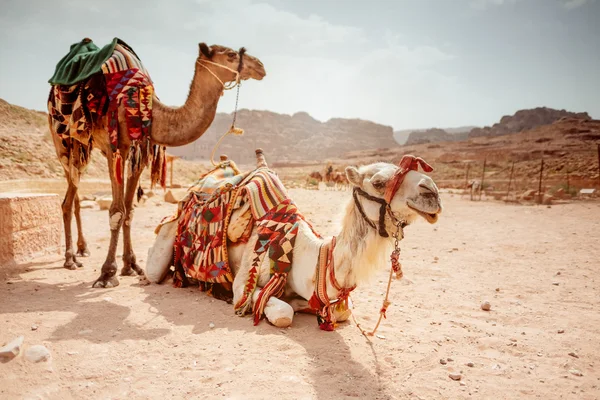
[
  {"x": 483, "y": 4},
  {"x": 329, "y": 70},
  {"x": 571, "y": 4}
]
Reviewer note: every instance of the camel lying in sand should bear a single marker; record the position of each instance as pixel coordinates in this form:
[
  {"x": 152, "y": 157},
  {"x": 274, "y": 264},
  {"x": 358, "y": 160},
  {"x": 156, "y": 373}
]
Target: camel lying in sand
[{"x": 386, "y": 198}]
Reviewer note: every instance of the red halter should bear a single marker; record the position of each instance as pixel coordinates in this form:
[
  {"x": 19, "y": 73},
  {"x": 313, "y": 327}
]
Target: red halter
[{"x": 408, "y": 163}]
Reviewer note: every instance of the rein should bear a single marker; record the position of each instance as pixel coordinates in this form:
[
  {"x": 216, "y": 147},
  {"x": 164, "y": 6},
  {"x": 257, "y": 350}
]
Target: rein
[
  {"x": 237, "y": 83},
  {"x": 230, "y": 85}
]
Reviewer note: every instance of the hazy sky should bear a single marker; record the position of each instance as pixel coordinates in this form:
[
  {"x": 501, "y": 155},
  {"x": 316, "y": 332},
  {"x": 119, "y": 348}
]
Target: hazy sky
[{"x": 408, "y": 64}]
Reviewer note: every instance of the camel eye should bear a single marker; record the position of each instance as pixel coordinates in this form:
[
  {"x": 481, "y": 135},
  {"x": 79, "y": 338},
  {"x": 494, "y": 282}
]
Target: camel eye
[
  {"x": 231, "y": 54},
  {"x": 378, "y": 185}
]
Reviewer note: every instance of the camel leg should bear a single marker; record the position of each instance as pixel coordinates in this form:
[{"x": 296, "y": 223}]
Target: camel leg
[
  {"x": 67, "y": 210},
  {"x": 82, "y": 248},
  {"x": 129, "y": 260},
  {"x": 116, "y": 213}
]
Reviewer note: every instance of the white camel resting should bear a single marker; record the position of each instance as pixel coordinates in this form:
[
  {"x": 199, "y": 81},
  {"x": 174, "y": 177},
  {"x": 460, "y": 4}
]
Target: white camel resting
[{"x": 361, "y": 248}]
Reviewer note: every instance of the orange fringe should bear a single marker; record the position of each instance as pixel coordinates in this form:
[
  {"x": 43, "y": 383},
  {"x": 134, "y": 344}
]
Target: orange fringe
[{"x": 274, "y": 287}]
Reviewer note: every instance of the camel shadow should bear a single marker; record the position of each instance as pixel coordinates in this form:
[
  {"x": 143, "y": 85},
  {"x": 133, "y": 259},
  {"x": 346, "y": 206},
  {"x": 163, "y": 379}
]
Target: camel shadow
[
  {"x": 331, "y": 364},
  {"x": 96, "y": 319},
  {"x": 14, "y": 270}
]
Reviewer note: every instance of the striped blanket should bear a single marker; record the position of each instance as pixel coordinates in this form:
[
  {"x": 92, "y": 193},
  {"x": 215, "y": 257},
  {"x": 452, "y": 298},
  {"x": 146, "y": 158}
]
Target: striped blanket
[
  {"x": 122, "y": 80},
  {"x": 201, "y": 243}
]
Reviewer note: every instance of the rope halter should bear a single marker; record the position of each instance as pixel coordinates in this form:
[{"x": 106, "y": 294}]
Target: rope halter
[
  {"x": 229, "y": 85},
  {"x": 407, "y": 163}
]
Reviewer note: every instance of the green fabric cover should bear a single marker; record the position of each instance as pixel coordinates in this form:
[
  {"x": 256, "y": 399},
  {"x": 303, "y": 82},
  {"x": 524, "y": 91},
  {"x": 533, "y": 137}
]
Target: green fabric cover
[{"x": 84, "y": 60}]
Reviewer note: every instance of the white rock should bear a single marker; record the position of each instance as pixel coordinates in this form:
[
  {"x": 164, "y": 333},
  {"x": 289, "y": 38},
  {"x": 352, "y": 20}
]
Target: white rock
[
  {"x": 104, "y": 202},
  {"x": 575, "y": 372},
  {"x": 37, "y": 353},
  {"x": 11, "y": 349},
  {"x": 87, "y": 204},
  {"x": 211, "y": 325}
]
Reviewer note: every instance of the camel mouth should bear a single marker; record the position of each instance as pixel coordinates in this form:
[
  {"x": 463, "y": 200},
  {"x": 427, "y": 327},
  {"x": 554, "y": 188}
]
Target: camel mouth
[{"x": 429, "y": 217}]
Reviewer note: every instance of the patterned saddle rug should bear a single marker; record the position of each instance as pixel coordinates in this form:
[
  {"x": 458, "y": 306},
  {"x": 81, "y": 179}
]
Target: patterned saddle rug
[
  {"x": 111, "y": 76},
  {"x": 200, "y": 249}
]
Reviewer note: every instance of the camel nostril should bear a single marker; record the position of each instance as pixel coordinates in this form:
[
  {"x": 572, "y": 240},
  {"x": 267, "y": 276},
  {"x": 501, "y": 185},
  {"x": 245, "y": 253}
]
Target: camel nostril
[{"x": 426, "y": 188}]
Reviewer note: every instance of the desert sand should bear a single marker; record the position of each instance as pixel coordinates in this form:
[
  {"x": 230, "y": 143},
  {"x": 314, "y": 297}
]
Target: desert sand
[{"x": 537, "y": 266}]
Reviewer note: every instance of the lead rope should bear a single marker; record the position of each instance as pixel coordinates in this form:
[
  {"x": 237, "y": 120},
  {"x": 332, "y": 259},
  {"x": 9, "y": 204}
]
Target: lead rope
[
  {"x": 395, "y": 269},
  {"x": 232, "y": 129}
]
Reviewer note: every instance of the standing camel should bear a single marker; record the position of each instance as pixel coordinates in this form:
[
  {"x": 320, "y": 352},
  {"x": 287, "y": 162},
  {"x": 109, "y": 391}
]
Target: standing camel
[{"x": 215, "y": 67}]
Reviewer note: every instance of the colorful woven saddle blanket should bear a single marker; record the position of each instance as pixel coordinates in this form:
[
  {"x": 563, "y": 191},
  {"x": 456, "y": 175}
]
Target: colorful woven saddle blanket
[
  {"x": 96, "y": 89},
  {"x": 204, "y": 217}
]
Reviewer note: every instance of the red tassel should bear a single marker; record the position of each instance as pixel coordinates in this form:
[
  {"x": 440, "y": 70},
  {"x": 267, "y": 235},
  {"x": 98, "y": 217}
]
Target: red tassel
[
  {"x": 118, "y": 164},
  {"x": 274, "y": 287},
  {"x": 163, "y": 172}
]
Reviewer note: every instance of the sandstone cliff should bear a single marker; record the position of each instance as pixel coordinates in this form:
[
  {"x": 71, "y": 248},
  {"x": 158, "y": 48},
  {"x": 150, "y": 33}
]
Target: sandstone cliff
[
  {"x": 524, "y": 120},
  {"x": 288, "y": 137}
]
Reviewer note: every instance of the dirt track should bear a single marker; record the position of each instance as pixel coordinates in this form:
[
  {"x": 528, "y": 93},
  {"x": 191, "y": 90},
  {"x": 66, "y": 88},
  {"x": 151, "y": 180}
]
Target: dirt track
[{"x": 155, "y": 341}]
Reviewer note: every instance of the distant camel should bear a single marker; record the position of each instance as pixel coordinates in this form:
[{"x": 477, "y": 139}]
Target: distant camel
[
  {"x": 340, "y": 180},
  {"x": 316, "y": 176},
  {"x": 474, "y": 186}
]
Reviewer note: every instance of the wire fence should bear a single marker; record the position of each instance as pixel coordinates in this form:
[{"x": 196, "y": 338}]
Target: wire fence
[{"x": 538, "y": 180}]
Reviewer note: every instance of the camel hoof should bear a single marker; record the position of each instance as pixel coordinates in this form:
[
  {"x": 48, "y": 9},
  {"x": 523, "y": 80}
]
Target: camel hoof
[
  {"x": 283, "y": 322},
  {"x": 83, "y": 252},
  {"x": 72, "y": 265},
  {"x": 129, "y": 271},
  {"x": 106, "y": 283}
]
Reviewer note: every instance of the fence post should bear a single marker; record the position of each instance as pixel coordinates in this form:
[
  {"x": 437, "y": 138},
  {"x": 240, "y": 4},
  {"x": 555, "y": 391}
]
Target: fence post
[
  {"x": 482, "y": 178},
  {"x": 510, "y": 179},
  {"x": 598, "y": 165},
  {"x": 467, "y": 177},
  {"x": 540, "y": 196}
]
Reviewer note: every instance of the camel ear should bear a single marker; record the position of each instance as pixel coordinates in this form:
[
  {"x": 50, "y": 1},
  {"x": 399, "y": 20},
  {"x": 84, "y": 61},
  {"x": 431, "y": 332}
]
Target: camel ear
[
  {"x": 204, "y": 49},
  {"x": 354, "y": 177}
]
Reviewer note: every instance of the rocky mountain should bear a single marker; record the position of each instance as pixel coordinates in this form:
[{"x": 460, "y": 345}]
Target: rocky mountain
[
  {"x": 27, "y": 150},
  {"x": 287, "y": 137},
  {"x": 435, "y": 135},
  {"x": 524, "y": 120}
]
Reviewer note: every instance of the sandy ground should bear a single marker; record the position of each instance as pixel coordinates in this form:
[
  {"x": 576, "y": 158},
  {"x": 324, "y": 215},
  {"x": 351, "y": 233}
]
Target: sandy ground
[{"x": 537, "y": 266}]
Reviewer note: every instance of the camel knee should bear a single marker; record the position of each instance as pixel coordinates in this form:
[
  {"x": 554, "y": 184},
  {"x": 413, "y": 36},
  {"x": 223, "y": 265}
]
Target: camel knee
[
  {"x": 279, "y": 313},
  {"x": 115, "y": 218},
  {"x": 342, "y": 314}
]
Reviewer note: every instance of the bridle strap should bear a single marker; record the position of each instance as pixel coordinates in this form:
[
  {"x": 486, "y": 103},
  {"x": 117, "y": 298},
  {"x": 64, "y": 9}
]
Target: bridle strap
[
  {"x": 383, "y": 207},
  {"x": 320, "y": 301},
  {"x": 237, "y": 72}
]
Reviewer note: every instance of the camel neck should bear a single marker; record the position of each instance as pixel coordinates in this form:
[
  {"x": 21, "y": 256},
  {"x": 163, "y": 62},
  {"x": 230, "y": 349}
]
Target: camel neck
[
  {"x": 177, "y": 126},
  {"x": 359, "y": 250}
]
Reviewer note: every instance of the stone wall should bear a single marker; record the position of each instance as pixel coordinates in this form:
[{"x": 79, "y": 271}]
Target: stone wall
[{"x": 30, "y": 226}]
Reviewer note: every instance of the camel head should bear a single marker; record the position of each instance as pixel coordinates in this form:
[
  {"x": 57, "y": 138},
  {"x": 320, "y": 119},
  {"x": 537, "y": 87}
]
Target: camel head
[
  {"x": 251, "y": 67},
  {"x": 408, "y": 193}
]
